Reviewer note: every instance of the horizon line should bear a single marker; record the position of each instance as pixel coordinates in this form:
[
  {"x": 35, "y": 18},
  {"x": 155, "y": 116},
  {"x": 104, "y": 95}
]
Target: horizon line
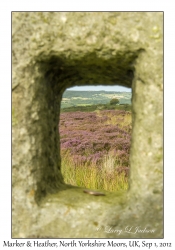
[{"x": 96, "y": 90}]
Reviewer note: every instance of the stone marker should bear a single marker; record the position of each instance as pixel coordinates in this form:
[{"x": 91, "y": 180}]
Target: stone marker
[{"x": 52, "y": 51}]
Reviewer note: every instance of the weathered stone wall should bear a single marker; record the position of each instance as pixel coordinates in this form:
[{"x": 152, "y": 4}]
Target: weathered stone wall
[{"x": 52, "y": 51}]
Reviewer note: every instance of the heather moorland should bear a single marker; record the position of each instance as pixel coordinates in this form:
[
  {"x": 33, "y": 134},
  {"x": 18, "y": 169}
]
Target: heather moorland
[{"x": 95, "y": 148}]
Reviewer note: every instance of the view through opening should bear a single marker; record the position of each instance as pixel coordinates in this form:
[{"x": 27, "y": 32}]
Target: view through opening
[{"x": 95, "y": 137}]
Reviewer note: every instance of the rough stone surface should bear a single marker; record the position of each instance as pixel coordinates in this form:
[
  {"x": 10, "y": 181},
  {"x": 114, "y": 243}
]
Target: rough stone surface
[{"x": 55, "y": 50}]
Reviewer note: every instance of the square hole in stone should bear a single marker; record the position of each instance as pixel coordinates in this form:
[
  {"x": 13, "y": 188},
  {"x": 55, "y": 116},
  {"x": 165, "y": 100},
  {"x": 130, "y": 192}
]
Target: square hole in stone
[{"x": 122, "y": 48}]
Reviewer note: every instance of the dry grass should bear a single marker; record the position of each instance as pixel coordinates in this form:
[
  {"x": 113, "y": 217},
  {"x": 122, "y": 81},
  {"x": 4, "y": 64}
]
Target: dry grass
[
  {"x": 91, "y": 176},
  {"x": 120, "y": 120}
]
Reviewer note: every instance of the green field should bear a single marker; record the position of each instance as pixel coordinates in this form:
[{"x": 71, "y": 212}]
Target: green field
[{"x": 90, "y": 108}]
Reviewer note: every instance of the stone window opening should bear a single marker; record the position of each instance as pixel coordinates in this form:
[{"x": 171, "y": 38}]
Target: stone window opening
[{"x": 57, "y": 75}]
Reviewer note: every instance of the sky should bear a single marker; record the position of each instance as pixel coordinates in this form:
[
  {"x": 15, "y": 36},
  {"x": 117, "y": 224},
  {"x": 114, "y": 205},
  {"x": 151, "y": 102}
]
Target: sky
[{"x": 101, "y": 87}]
